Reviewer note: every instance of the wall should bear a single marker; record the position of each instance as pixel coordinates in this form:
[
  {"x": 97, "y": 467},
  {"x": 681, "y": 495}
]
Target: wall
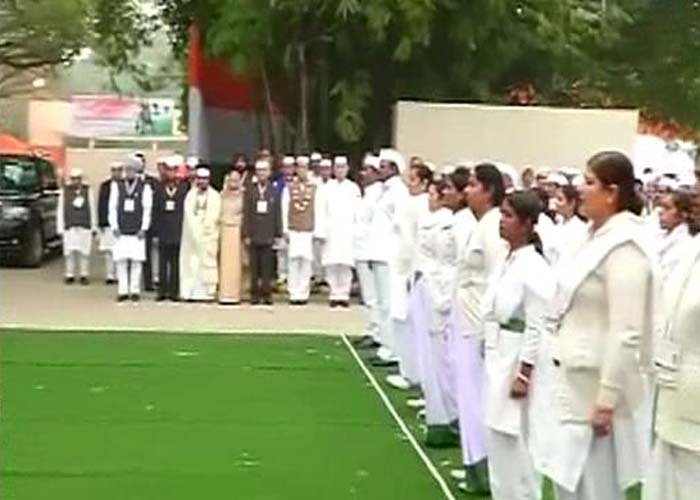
[
  {"x": 519, "y": 136},
  {"x": 95, "y": 162}
]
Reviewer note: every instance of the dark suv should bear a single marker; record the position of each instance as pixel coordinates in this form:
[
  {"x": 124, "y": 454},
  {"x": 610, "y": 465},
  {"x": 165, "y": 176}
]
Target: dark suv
[{"x": 28, "y": 202}]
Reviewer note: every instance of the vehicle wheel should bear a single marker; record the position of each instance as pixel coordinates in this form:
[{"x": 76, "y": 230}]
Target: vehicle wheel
[{"x": 33, "y": 251}]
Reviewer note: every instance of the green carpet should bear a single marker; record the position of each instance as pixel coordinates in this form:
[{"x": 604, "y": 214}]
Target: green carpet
[{"x": 156, "y": 416}]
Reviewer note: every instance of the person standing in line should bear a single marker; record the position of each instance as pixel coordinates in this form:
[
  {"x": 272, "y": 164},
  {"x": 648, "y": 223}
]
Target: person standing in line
[
  {"x": 75, "y": 221},
  {"x": 130, "y": 217},
  {"x": 301, "y": 225},
  {"x": 371, "y": 191},
  {"x": 571, "y": 228},
  {"x": 168, "y": 212},
  {"x": 230, "y": 262},
  {"x": 152, "y": 182},
  {"x": 288, "y": 165},
  {"x": 385, "y": 241},
  {"x": 675, "y": 212},
  {"x": 516, "y": 306},
  {"x": 105, "y": 232},
  {"x": 482, "y": 254},
  {"x": 608, "y": 312},
  {"x": 341, "y": 201},
  {"x": 430, "y": 303},
  {"x": 199, "y": 250},
  {"x": 410, "y": 210},
  {"x": 675, "y": 462},
  {"x": 322, "y": 181},
  {"x": 262, "y": 229}
]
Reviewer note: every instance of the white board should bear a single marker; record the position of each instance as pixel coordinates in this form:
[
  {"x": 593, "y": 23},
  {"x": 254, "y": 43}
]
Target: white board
[{"x": 518, "y": 135}]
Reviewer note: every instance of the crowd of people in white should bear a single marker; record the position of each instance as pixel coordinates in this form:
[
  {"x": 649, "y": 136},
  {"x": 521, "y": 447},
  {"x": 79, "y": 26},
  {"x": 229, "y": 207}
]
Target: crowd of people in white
[{"x": 546, "y": 316}]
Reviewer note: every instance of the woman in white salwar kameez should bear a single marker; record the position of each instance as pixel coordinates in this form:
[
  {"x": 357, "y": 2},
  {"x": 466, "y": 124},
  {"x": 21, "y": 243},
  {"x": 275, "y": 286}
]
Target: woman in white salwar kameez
[
  {"x": 516, "y": 308},
  {"x": 571, "y": 227},
  {"x": 674, "y": 213},
  {"x": 435, "y": 267},
  {"x": 593, "y": 447}
]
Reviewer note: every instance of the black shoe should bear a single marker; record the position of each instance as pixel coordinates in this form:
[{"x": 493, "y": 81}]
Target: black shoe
[
  {"x": 344, "y": 304},
  {"x": 378, "y": 362},
  {"x": 160, "y": 298},
  {"x": 366, "y": 342},
  {"x": 334, "y": 304},
  {"x": 303, "y": 302},
  {"x": 135, "y": 298},
  {"x": 110, "y": 282},
  {"x": 84, "y": 281},
  {"x": 174, "y": 299},
  {"x": 268, "y": 301},
  {"x": 294, "y": 303},
  {"x": 69, "y": 281},
  {"x": 122, "y": 298},
  {"x": 255, "y": 301}
]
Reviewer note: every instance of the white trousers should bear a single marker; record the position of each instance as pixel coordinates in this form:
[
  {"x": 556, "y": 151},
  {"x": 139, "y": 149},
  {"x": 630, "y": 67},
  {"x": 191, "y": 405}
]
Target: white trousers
[
  {"x": 674, "y": 473},
  {"x": 84, "y": 261},
  {"x": 382, "y": 285},
  {"x": 299, "y": 278},
  {"x": 512, "y": 475},
  {"x": 129, "y": 277},
  {"x": 339, "y": 278},
  {"x": 110, "y": 268},
  {"x": 599, "y": 480},
  {"x": 369, "y": 298},
  {"x": 405, "y": 344},
  {"x": 317, "y": 266},
  {"x": 437, "y": 379}
]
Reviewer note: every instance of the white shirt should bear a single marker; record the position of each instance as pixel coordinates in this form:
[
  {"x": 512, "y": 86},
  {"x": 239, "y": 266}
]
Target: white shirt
[
  {"x": 565, "y": 237},
  {"x": 672, "y": 247},
  {"x": 483, "y": 254},
  {"x": 412, "y": 211},
  {"x": 522, "y": 291},
  {"x": 363, "y": 221},
  {"x": 385, "y": 226},
  {"x": 464, "y": 224}
]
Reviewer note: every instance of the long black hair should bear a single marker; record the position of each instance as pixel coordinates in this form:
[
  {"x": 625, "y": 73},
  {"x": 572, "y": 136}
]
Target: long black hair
[
  {"x": 527, "y": 207},
  {"x": 491, "y": 178},
  {"x": 614, "y": 168}
]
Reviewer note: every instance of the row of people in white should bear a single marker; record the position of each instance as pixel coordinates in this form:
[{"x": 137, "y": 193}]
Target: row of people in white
[{"x": 563, "y": 387}]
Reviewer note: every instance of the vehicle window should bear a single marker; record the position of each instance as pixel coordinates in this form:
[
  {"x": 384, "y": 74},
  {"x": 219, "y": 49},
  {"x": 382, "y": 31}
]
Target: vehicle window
[
  {"x": 48, "y": 175},
  {"x": 18, "y": 174}
]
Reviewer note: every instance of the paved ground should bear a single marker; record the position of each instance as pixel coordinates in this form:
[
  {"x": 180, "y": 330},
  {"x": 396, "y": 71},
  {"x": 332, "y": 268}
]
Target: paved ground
[{"x": 38, "y": 298}]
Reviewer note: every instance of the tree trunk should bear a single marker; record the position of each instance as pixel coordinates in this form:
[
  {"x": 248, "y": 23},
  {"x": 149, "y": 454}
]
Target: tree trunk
[
  {"x": 303, "y": 143},
  {"x": 269, "y": 108}
]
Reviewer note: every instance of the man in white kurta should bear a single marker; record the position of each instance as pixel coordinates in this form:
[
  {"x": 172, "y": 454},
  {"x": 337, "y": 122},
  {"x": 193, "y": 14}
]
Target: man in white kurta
[
  {"x": 385, "y": 240},
  {"x": 76, "y": 222},
  {"x": 130, "y": 217},
  {"x": 322, "y": 181},
  {"x": 340, "y": 203},
  {"x": 199, "y": 262}
]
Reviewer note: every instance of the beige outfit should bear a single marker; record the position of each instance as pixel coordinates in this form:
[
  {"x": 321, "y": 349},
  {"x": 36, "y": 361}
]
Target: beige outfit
[
  {"x": 607, "y": 318},
  {"x": 675, "y": 471},
  {"x": 230, "y": 254}
]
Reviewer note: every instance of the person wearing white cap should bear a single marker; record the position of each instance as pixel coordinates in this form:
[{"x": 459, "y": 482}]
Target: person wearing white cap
[
  {"x": 301, "y": 220},
  {"x": 106, "y": 236},
  {"x": 371, "y": 191},
  {"x": 673, "y": 472},
  {"x": 340, "y": 203},
  {"x": 322, "y": 181},
  {"x": 385, "y": 240},
  {"x": 288, "y": 164},
  {"x": 76, "y": 222},
  {"x": 130, "y": 217},
  {"x": 199, "y": 250},
  {"x": 151, "y": 249},
  {"x": 315, "y": 160}
]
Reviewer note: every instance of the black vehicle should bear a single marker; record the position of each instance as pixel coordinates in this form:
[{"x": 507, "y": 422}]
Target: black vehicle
[{"x": 28, "y": 202}]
